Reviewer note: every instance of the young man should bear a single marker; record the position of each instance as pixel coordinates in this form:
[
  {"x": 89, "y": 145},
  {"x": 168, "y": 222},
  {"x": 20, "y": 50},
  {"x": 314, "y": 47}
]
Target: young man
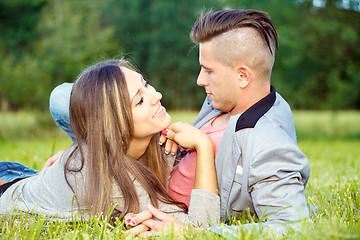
[{"x": 259, "y": 165}]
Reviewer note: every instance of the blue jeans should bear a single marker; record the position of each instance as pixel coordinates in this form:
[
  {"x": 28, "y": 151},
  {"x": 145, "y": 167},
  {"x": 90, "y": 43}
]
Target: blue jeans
[
  {"x": 59, "y": 108},
  {"x": 10, "y": 171}
]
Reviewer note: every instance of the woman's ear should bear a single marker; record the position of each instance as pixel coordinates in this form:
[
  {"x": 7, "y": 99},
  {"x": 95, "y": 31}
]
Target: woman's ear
[{"x": 244, "y": 75}]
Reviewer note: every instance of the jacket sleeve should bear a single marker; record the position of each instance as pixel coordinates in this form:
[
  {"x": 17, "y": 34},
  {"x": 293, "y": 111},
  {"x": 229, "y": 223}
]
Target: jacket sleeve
[
  {"x": 204, "y": 209},
  {"x": 277, "y": 180}
]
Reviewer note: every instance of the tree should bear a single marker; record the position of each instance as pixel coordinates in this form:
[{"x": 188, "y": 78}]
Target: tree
[
  {"x": 156, "y": 34},
  {"x": 315, "y": 66},
  {"x": 17, "y": 39},
  {"x": 47, "y": 42},
  {"x": 73, "y": 36},
  {"x": 54, "y": 41}
]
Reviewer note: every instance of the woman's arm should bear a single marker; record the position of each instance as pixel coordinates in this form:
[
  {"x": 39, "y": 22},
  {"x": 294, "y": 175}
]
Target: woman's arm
[
  {"x": 190, "y": 137},
  {"x": 205, "y": 187}
]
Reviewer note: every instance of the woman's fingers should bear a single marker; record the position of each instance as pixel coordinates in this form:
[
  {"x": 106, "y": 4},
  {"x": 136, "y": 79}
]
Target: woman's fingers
[
  {"x": 174, "y": 148},
  {"x": 185, "y": 135},
  {"x": 162, "y": 139},
  {"x": 170, "y": 145},
  {"x": 137, "y": 230},
  {"x": 135, "y": 219},
  {"x": 159, "y": 214},
  {"x": 128, "y": 218},
  {"x": 143, "y": 223}
]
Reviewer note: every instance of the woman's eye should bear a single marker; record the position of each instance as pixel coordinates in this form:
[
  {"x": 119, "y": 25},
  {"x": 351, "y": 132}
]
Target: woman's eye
[
  {"x": 142, "y": 98},
  {"x": 140, "y": 102}
]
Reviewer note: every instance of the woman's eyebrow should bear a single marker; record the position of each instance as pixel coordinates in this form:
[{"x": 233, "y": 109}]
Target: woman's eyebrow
[{"x": 135, "y": 95}]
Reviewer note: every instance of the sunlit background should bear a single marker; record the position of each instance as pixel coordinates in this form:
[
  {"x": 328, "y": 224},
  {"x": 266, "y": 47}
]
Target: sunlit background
[{"x": 44, "y": 43}]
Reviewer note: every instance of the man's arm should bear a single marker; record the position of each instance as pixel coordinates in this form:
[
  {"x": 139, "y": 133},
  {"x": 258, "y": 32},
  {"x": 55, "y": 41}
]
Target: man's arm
[{"x": 277, "y": 181}]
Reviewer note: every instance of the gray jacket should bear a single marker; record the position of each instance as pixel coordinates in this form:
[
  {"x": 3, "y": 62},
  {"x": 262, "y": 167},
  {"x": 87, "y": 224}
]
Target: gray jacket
[{"x": 259, "y": 165}]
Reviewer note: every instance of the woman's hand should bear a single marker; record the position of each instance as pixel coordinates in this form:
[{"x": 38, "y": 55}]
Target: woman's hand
[
  {"x": 190, "y": 137},
  {"x": 170, "y": 145},
  {"x": 187, "y": 136},
  {"x": 151, "y": 222}
]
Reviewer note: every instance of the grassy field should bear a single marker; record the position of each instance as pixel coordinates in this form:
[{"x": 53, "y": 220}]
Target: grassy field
[{"x": 331, "y": 141}]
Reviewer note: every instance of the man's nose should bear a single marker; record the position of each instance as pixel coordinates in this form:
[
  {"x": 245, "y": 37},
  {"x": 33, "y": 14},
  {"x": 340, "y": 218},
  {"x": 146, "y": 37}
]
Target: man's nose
[{"x": 201, "y": 81}]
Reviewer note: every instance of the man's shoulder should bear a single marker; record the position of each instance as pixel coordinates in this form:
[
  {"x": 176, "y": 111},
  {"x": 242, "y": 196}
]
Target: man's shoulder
[{"x": 273, "y": 127}]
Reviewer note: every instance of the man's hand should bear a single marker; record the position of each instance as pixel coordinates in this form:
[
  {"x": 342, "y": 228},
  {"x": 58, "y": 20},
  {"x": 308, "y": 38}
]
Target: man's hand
[
  {"x": 144, "y": 224},
  {"x": 51, "y": 161}
]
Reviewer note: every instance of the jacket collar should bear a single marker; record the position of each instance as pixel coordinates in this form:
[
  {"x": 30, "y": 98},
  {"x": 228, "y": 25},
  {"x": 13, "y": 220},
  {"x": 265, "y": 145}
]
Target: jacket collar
[{"x": 250, "y": 117}]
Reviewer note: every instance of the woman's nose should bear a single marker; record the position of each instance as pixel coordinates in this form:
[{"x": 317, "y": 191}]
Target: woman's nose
[{"x": 156, "y": 97}]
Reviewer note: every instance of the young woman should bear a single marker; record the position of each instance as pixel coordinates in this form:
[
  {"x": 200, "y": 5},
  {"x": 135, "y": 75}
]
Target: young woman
[{"x": 116, "y": 158}]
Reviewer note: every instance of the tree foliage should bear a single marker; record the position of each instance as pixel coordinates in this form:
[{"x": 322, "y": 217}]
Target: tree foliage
[
  {"x": 317, "y": 63},
  {"x": 156, "y": 35},
  {"x": 47, "y": 42},
  {"x": 61, "y": 39}
]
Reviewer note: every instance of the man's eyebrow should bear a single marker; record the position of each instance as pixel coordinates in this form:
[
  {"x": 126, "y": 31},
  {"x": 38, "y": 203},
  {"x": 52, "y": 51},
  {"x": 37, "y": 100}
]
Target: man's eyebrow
[{"x": 202, "y": 66}]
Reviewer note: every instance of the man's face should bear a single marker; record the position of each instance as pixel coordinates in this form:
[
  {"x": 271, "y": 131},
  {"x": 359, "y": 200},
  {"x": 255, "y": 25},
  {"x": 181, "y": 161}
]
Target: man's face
[{"x": 219, "y": 80}]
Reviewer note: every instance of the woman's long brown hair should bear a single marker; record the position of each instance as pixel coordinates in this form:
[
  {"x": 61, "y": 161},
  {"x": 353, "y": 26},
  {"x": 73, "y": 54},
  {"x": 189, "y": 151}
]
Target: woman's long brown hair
[{"x": 100, "y": 114}]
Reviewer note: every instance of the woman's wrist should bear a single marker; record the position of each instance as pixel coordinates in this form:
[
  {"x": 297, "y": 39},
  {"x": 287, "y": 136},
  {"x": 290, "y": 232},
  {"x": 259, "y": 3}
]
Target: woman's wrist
[{"x": 204, "y": 143}]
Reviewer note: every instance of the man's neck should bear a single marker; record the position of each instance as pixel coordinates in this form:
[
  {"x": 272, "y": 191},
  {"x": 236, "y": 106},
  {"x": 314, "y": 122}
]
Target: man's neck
[{"x": 249, "y": 97}]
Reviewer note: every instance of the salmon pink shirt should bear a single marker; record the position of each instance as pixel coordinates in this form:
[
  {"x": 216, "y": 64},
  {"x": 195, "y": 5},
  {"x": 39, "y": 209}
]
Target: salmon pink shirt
[{"x": 183, "y": 175}]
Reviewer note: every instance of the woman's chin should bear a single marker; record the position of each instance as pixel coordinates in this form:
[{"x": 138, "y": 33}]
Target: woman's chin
[{"x": 168, "y": 119}]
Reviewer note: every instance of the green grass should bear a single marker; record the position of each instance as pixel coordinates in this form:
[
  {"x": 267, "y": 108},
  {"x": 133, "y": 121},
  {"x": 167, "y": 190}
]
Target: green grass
[
  {"x": 330, "y": 141},
  {"x": 327, "y": 124}
]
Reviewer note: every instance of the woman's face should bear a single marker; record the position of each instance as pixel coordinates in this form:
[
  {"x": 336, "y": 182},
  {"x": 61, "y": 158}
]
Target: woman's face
[{"x": 149, "y": 116}]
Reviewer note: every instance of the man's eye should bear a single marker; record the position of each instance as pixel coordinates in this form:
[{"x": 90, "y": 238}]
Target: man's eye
[
  {"x": 207, "y": 71},
  {"x": 141, "y": 101},
  {"x": 146, "y": 83}
]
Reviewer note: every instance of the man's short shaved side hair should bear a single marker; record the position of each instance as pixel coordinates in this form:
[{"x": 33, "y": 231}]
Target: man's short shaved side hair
[
  {"x": 244, "y": 46},
  {"x": 213, "y": 24}
]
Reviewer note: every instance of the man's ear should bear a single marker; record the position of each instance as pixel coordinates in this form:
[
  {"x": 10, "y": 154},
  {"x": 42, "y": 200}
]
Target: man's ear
[{"x": 244, "y": 75}]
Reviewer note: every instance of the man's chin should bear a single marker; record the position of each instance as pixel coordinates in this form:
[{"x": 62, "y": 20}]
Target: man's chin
[
  {"x": 220, "y": 108},
  {"x": 216, "y": 106}
]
